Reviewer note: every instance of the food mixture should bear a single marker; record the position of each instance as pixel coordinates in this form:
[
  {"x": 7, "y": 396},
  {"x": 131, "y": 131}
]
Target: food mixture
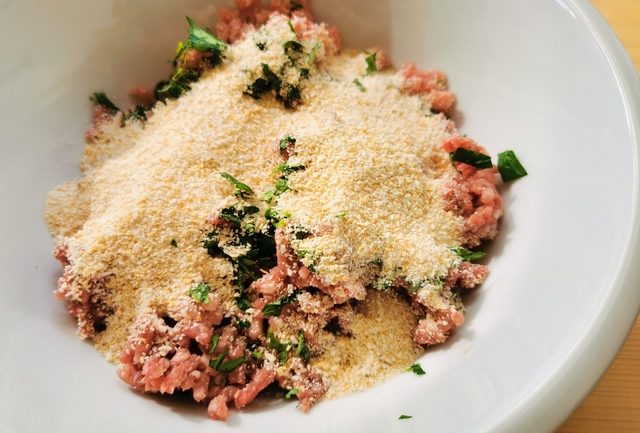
[{"x": 280, "y": 215}]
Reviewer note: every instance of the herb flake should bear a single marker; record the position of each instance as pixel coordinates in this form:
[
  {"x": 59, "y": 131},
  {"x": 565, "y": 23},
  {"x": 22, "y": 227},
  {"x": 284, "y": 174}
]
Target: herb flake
[
  {"x": 200, "y": 293},
  {"x": 302, "y": 351},
  {"x": 216, "y": 362},
  {"x": 291, "y": 393},
  {"x": 468, "y": 255},
  {"x": 372, "y": 67},
  {"x": 416, "y": 369},
  {"x": 174, "y": 243},
  {"x": 214, "y": 344},
  {"x": 229, "y": 366},
  {"x": 100, "y": 98},
  {"x": 280, "y": 347},
  {"x": 275, "y": 308},
  {"x": 405, "y": 417},
  {"x": 359, "y": 85},
  {"x": 471, "y": 157},
  {"x": 242, "y": 189},
  {"x": 509, "y": 166},
  {"x": 203, "y": 40},
  {"x": 286, "y": 142}
]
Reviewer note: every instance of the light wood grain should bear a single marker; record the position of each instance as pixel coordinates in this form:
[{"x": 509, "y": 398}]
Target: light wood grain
[{"x": 614, "y": 404}]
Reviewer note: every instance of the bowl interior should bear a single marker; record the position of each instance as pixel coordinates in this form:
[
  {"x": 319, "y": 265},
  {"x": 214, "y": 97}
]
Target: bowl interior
[{"x": 547, "y": 91}]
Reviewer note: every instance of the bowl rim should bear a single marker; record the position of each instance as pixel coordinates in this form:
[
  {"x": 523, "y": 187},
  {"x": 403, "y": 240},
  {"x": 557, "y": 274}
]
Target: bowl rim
[{"x": 560, "y": 393}]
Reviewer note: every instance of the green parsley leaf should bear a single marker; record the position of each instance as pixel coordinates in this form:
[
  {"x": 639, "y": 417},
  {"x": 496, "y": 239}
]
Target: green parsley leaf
[
  {"x": 242, "y": 189},
  {"x": 291, "y": 27},
  {"x": 243, "y": 303},
  {"x": 278, "y": 346},
  {"x": 509, "y": 166},
  {"x": 200, "y": 293},
  {"x": 229, "y": 366},
  {"x": 174, "y": 243},
  {"x": 282, "y": 185},
  {"x": 405, "y": 417},
  {"x": 257, "y": 354},
  {"x": 291, "y": 393},
  {"x": 100, "y": 98},
  {"x": 275, "y": 308},
  {"x": 286, "y": 169},
  {"x": 215, "y": 363},
  {"x": 471, "y": 157},
  {"x": 295, "y": 6},
  {"x": 372, "y": 67},
  {"x": 302, "y": 351},
  {"x": 292, "y": 48},
  {"x": 286, "y": 141},
  {"x": 139, "y": 112},
  {"x": 261, "y": 45},
  {"x": 179, "y": 83},
  {"x": 243, "y": 324},
  {"x": 201, "y": 39},
  {"x": 468, "y": 255},
  {"x": 359, "y": 85},
  {"x": 214, "y": 344},
  {"x": 417, "y": 369}
]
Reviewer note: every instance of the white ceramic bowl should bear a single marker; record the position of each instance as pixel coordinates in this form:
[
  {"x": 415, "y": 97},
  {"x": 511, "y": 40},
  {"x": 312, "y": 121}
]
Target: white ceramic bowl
[{"x": 546, "y": 78}]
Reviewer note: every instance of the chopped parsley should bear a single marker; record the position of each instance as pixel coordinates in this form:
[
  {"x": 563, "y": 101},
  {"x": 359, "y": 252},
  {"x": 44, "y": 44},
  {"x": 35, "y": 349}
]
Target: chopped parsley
[
  {"x": 295, "y": 5},
  {"x": 174, "y": 243},
  {"x": 243, "y": 302},
  {"x": 261, "y": 45},
  {"x": 291, "y": 27},
  {"x": 216, "y": 362},
  {"x": 372, "y": 67},
  {"x": 100, "y": 98},
  {"x": 281, "y": 186},
  {"x": 292, "y": 49},
  {"x": 200, "y": 39},
  {"x": 242, "y": 189},
  {"x": 291, "y": 393},
  {"x": 280, "y": 347},
  {"x": 179, "y": 83},
  {"x": 257, "y": 354},
  {"x": 509, "y": 166},
  {"x": 342, "y": 215},
  {"x": 359, "y": 85},
  {"x": 286, "y": 169},
  {"x": 243, "y": 324},
  {"x": 286, "y": 142},
  {"x": 468, "y": 255},
  {"x": 229, "y": 366},
  {"x": 417, "y": 369},
  {"x": 214, "y": 344},
  {"x": 275, "y": 308},
  {"x": 405, "y": 417},
  {"x": 139, "y": 112},
  {"x": 200, "y": 293},
  {"x": 204, "y": 41},
  {"x": 471, "y": 157},
  {"x": 302, "y": 351},
  {"x": 286, "y": 93}
]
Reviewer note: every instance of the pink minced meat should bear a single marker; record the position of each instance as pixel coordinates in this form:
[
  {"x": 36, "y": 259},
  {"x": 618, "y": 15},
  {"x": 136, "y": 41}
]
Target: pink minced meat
[
  {"x": 101, "y": 116},
  {"x": 472, "y": 194},
  {"x": 290, "y": 270},
  {"x": 437, "y": 326},
  {"x": 89, "y": 303},
  {"x": 260, "y": 381},
  {"x": 432, "y": 84}
]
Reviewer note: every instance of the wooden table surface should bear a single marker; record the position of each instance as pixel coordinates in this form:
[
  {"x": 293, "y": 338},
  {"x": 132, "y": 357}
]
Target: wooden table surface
[{"x": 614, "y": 404}]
